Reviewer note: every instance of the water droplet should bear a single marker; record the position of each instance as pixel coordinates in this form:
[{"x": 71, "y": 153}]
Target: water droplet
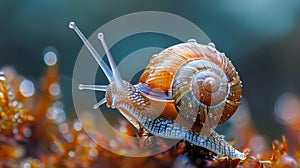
[
  {"x": 50, "y": 58},
  {"x": 27, "y": 88},
  {"x": 122, "y": 129},
  {"x": 2, "y": 77},
  {"x": 71, "y": 154},
  {"x": 11, "y": 96},
  {"x": 77, "y": 125},
  {"x": 27, "y": 165},
  {"x": 212, "y": 45},
  {"x": 14, "y": 103},
  {"x": 16, "y": 116},
  {"x": 192, "y": 41}
]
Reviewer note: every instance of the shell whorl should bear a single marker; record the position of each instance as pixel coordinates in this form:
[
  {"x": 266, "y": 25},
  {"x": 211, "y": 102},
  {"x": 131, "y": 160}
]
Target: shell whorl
[
  {"x": 201, "y": 81},
  {"x": 207, "y": 82}
]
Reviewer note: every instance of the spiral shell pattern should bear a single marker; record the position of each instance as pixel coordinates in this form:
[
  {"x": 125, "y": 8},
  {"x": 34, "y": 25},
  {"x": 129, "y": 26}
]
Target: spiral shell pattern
[{"x": 202, "y": 81}]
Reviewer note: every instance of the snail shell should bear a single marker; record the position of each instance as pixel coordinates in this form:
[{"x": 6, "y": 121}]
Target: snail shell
[{"x": 201, "y": 81}]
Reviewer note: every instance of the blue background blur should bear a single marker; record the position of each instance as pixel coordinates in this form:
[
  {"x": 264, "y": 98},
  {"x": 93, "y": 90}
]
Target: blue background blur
[{"x": 262, "y": 38}]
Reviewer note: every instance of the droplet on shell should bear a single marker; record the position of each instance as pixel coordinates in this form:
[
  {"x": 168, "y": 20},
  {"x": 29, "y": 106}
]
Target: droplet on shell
[
  {"x": 192, "y": 41},
  {"x": 212, "y": 45}
]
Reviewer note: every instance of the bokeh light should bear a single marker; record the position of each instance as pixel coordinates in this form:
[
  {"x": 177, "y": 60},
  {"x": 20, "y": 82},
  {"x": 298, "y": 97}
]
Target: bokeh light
[
  {"x": 27, "y": 88},
  {"x": 50, "y": 58}
]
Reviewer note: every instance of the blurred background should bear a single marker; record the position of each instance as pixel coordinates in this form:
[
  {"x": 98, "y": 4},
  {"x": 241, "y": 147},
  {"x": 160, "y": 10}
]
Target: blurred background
[{"x": 262, "y": 38}]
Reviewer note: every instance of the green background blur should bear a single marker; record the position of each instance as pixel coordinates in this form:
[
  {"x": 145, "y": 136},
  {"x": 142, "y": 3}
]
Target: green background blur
[{"x": 262, "y": 38}]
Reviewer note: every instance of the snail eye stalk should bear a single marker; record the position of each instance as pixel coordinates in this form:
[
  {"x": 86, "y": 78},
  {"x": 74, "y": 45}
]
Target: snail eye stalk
[
  {"x": 92, "y": 50},
  {"x": 116, "y": 74},
  {"x": 93, "y": 87}
]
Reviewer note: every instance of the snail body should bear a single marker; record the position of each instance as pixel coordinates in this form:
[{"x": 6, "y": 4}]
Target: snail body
[{"x": 185, "y": 91}]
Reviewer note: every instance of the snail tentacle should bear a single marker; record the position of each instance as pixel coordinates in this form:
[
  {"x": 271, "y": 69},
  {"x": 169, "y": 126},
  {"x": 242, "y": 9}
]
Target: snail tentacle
[
  {"x": 93, "y": 87},
  {"x": 102, "y": 101},
  {"x": 92, "y": 50},
  {"x": 116, "y": 74}
]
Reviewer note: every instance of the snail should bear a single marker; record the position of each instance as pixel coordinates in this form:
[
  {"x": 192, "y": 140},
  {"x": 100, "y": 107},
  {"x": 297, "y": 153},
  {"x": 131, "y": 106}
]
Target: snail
[{"x": 197, "y": 86}]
